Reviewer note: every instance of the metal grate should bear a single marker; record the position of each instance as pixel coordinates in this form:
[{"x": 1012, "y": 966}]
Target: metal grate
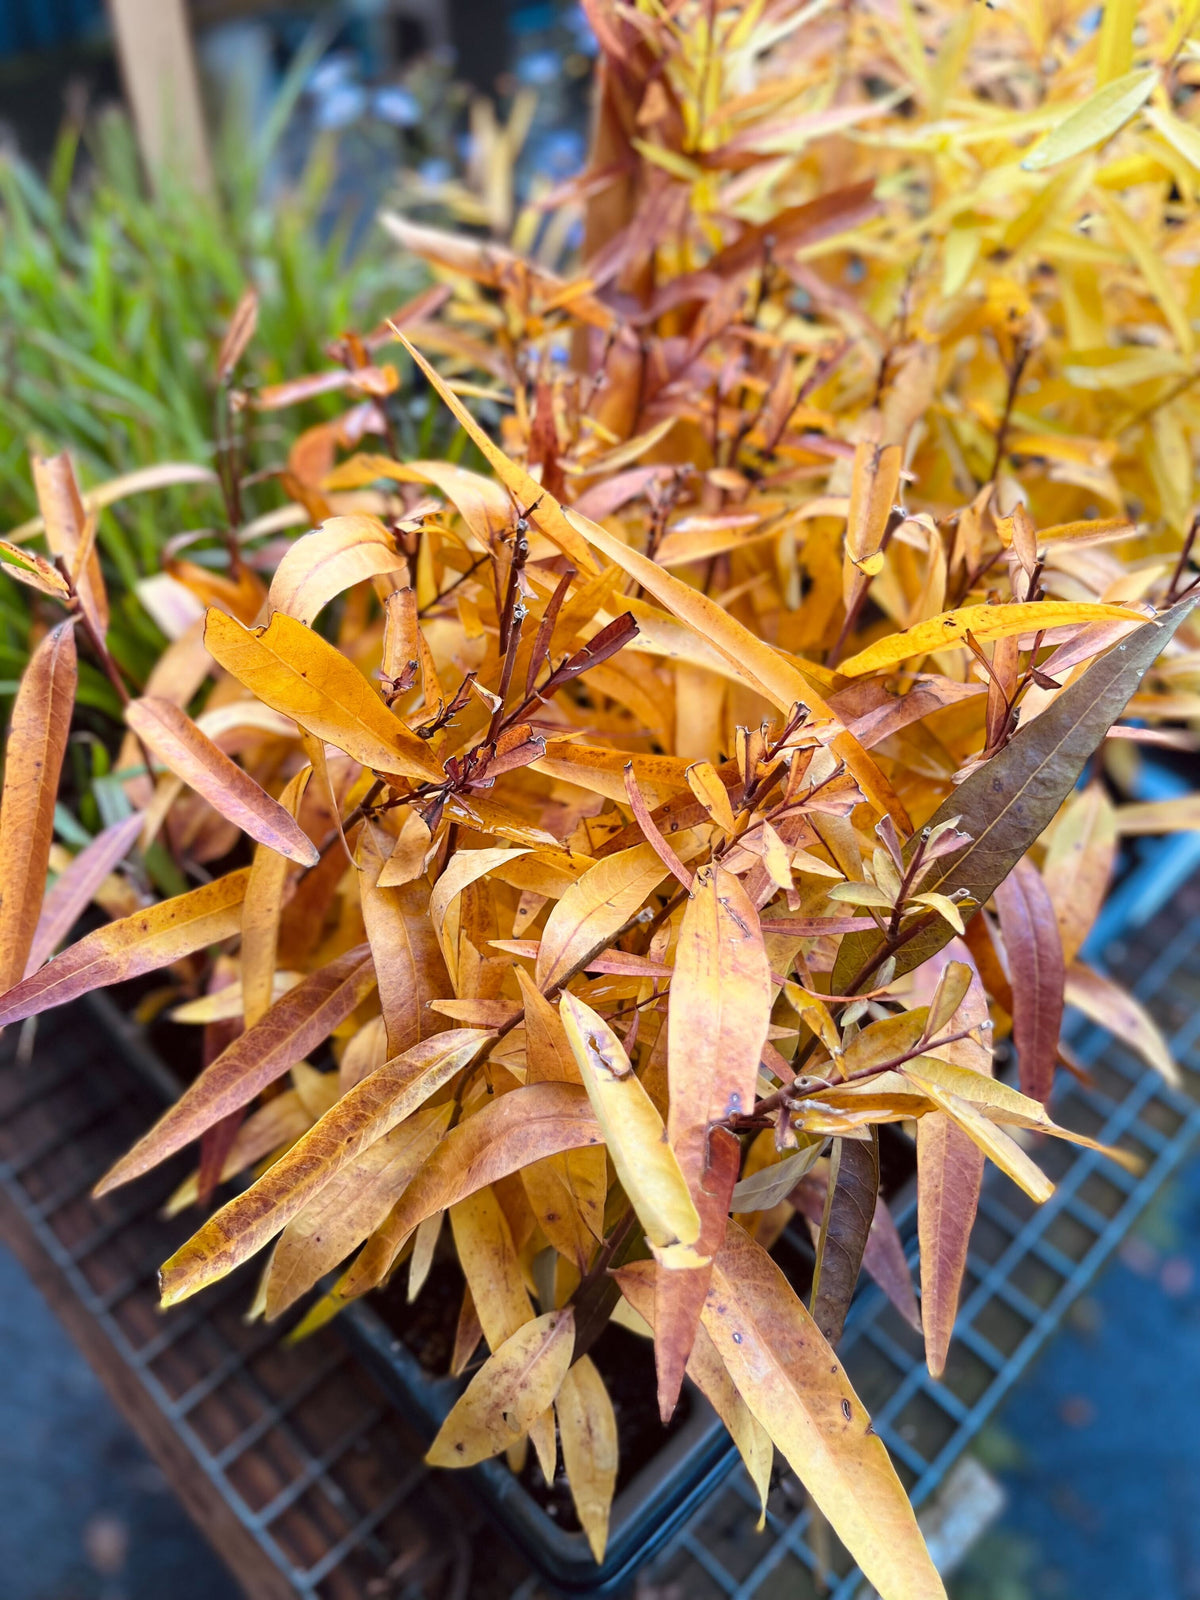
[{"x": 318, "y": 1469}]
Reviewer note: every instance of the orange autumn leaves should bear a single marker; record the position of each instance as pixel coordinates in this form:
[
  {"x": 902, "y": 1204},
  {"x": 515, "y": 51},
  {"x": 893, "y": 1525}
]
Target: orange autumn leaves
[{"x": 605, "y": 839}]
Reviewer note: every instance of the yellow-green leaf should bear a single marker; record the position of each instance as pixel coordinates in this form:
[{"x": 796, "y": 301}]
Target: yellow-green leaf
[
  {"x": 634, "y": 1134},
  {"x": 1097, "y": 118},
  {"x": 983, "y": 622}
]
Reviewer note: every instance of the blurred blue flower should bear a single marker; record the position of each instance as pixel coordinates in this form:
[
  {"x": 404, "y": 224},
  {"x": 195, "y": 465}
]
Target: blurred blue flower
[
  {"x": 397, "y": 105},
  {"x": 539, "y": 67},
  {"x": 342, "y": 106}
]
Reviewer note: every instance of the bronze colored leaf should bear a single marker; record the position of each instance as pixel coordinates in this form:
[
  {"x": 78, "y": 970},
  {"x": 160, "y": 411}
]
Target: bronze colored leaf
[
  {"x": 33, "y": 758},
  {"x": 261, "y": 912},
  {"x": 362, "y": 1115},
  {"x": 1005, "y": 805},
  {"x": 293, "y": 1027},
  {"x": 69, "y": 535},
  {"x": 850, "y": 1200},
  {"x": 1079, "y": 864},
  {"x": 638, "y": 1281},
  {"x": 408, "y": 959},
  {"x": 949, "y": 1178},
  {"x": 190, "y": 754},
  {"x": 143, "y": 942},
  {"x": 1037, "y": 974}
]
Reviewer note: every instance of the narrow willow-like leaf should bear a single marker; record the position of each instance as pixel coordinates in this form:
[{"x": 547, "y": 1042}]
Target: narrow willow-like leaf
[
  {"x": 509, "y": 1392},
  {"x": 68, "y": 534},
  {"x": 483, "y": 1242},
  {"x": 983, "y": 622},
  {"x": 1100, "y": 999},
  {"x": 850, "y": 1201},
  {"x": 1006, "y": 805},
  {"x": 190, "y": 754},
  {"x": 949, "y": 1179},
  {"x": 74, "y": 887},
  {"x": 708, "y": 1372},
  {"x": 593, "y": 909},
  {"x": 33, "y": 758},
  {"x": 506, "y": 1135},
  {"x": 526, "y": 491},
  {"x": 795, "y": 1386},
  {"x": 718, "y": 1015},
  {"x": 1037, "y": 974},
  {"x": 587, "y": 1424},
  {"x": 295, "y": 671},
  {"x": 132, "y": 945},
  {"x": 262, "y": 910},
  {"x": 343, "y": 551},
  {"x": 408, "y": 960},
  {"x": 1099, "y": 116},
  {"x": 633, "y": 1132},
  {"x": 293, "y": 1027},
  {"x": 761, "y": 667},
  {"x": 363, "y": 1114}
]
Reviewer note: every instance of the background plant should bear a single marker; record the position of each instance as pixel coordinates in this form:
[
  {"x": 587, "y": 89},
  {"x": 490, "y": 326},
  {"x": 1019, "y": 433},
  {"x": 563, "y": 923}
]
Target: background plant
[
  {"x": 114, "y": 300},
  {"x": 709, "y": 765}
]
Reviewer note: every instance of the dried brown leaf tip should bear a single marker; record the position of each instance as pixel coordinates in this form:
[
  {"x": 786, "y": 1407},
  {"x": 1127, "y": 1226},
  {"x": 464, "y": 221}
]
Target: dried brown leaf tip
[{"x": 656, "y": 807}]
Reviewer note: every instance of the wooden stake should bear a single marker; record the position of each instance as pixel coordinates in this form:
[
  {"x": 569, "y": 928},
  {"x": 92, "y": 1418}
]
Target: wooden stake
[{"x": 159, "y": 72}]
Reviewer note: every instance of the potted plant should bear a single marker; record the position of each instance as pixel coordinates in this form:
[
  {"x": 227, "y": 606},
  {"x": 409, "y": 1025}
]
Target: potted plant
[{"x": 635, "y": 835}]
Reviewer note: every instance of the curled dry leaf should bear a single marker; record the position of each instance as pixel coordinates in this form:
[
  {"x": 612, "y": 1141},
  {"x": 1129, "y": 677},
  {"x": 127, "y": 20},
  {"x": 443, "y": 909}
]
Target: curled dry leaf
[{"x": 343, "y": 551}]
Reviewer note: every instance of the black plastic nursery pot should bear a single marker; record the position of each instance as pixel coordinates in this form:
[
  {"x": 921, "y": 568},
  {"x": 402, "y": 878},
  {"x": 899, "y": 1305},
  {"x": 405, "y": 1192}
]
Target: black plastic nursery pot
[{"x": 665, "y": 1474}]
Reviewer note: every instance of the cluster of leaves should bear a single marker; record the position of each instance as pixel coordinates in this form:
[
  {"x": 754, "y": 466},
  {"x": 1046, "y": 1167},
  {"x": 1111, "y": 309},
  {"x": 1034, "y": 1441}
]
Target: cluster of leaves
[{"x": 645, "y": 821}]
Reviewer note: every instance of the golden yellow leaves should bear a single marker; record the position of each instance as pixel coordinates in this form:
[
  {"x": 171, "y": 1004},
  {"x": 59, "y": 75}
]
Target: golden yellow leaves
[{"x": 295, "y": 671}]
